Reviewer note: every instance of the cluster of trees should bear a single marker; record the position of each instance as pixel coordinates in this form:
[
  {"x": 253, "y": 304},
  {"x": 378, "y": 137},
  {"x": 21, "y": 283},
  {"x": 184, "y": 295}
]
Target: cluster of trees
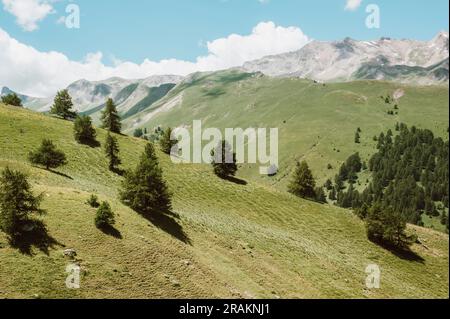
[
  {"x": 410, "y": 177},
  {"x": 12, "y": 99},
  {"x": 84, "y": 133},
  {"x": 348, "y": 172},
  {"x": 390, "y": 100},
  {"x": 143, "y": 189}
]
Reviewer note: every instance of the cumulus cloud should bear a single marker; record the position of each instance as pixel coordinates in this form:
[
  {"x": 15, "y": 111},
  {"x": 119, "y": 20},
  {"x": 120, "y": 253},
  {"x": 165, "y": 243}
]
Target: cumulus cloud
[
  {"x": 352, "y": 5},
  {"x": 37, "y": 73},
  {"x": 28, "y": 12}
]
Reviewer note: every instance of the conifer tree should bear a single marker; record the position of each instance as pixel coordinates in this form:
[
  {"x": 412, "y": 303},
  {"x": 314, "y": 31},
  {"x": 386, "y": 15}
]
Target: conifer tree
[
  {"x": 165, "y": 142},
  {"x": 110, "y": 118},
  {"x": 47, "y": 155},
  {"x": 224, "y": 160},
  {"x": 112, "y": 152},
  {"x": 357, "y": 138},
  {"x": 387, "y": 226},
  {"x": 17, "y": 203},
  {"x": 84, "y": 132},
  {"x": 138, "y": 133},
  {"x": 144, "y": 189},
  {"x": 62, "y": 106},
  {"x": 303, "y": 182}
]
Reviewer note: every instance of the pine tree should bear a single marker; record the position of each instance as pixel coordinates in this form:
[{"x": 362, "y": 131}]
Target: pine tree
[
  {"x": 17, "y": 203},
  {"x": 144, "y": 189},
  {"x": 303, "y": 182},
  {"x": 224, "y": 160},
  {"x": 47, "y": 155},
  {"x": 165, "y": 142},
  {"x": 357, "y": 138},
  {"x": 321, "y": 197},
  {"x": 138, "y": 132},
  {"x": 112, "y": 152},
  {"x": 84, "y": 132},
  {"x": 62, "y": 106},
  {"x": 104, "y": 217},
  {"x": 12, "y": 99},
  {"x": 110, "y": 118}
]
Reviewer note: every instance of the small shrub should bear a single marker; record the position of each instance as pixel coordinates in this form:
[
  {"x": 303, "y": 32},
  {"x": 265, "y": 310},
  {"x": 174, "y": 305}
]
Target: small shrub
[
  {"x": 104, "y": 217},
  {"x": 93, "y": 201}
]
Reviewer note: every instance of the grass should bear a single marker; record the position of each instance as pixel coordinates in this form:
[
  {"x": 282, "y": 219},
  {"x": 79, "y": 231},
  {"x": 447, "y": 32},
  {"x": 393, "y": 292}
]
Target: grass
[
  {"x": 229, "y": 240},
  {"x": 316, "y": 122}
]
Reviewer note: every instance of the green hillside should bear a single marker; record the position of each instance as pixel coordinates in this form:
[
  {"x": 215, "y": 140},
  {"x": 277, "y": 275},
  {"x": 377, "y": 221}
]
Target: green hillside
[
  {"x": 230, "y": 240},
  {"x": 317, "y": 122}
]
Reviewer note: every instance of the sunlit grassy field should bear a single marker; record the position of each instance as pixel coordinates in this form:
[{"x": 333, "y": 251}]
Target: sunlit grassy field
[
  {"x": 316, "y": 122},
  {"x": 230, "y": 239}
]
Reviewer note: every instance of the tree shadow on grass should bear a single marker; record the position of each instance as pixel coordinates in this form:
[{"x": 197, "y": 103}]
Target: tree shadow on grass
[
  {"x": 168, "y": 222},
  {"x": 54, "y": 172},
  {"x": 235, "y": 180},
  {"x": 404, "y": 253},
  {"x": 91, "y": 143},
  {"x": 111, "y": 231},
  {"x": 61, "y": 174},
  {"x": 35, "y": 235}
]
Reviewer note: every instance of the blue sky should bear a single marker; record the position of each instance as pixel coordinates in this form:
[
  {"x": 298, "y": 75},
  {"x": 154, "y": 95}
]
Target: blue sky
[
  {"x": 155, "y": 29},
  {"x": 138, "y": 38}
]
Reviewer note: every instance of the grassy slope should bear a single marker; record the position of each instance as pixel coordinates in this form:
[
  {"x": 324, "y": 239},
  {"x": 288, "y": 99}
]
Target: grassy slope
[
  {"x": 314, "y": 121},
  {"x": 243, "y": 240}
]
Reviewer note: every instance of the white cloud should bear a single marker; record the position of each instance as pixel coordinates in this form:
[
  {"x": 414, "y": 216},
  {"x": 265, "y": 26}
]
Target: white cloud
[
  {"x": 352, "y": 5},
  {"x": 36, "y": 73},
  {"x": 28, "y": 12}
]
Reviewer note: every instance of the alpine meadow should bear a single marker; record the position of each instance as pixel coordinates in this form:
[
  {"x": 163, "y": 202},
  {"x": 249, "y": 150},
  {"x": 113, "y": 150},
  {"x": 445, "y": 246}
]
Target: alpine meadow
[{"x": 333, "y": 186}]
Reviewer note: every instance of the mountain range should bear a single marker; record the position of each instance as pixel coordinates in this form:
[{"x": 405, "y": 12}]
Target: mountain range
[
  {"x": 89, "y": 97},
  {"x": 401, "y": 61},
  {"x": 408, "y": 61}
]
